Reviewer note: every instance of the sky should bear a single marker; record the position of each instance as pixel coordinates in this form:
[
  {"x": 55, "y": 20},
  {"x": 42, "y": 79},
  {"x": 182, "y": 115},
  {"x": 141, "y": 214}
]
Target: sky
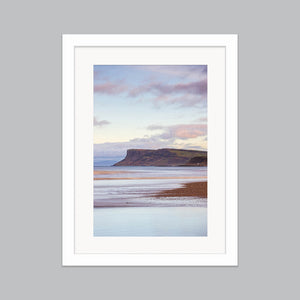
[{"x": 149, "y": 107}]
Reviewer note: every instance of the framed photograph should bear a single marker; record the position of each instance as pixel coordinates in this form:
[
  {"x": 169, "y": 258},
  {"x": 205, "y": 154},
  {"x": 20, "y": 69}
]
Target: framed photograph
[{"x": 150, "y": 150}]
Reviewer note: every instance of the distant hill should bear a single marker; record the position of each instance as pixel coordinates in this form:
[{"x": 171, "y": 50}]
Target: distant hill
[{"x": 164, "y": 158}]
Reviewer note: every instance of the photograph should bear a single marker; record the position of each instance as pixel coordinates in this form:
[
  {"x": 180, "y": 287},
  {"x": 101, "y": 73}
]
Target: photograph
[{"x": 150, "y": 150}]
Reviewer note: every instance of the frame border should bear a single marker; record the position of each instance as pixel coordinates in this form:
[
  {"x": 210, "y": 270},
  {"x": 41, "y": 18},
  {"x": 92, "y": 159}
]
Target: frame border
[{"x": 69, "y": 42}]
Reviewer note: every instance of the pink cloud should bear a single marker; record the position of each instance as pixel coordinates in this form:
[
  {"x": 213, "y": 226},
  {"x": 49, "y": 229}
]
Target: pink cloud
[
  {"x": 188, "y": 131},
  {"x": 196, "y": 72},
  {"x": 184, "y": 131},
  {"x": 110, "y": 88},
  {"x": 153, "y": 142},
  {"x": 165, "y": 139},
  {"x": 184, "y": 94}
]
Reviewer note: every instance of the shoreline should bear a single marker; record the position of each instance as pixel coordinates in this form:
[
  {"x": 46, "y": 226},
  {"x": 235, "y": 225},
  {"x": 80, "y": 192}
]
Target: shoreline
[
  {"x": 190, "y": 189},
  {"x": 141, "y": 178},
  {"x": 110, "y": 172},
  {"x": 192, "y": 194}
]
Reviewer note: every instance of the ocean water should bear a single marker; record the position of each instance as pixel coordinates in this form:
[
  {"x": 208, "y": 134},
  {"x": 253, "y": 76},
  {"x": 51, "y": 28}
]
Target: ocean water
[
  {"x": 150, "y": 221},
  {"x": 125, "y": 204},
  {"x": 135, "y": 171}
]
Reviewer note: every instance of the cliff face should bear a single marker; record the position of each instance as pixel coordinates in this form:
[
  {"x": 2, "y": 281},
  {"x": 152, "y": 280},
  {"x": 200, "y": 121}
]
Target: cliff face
[
  {"x": 200, "y": 161},
  {"x": 163, "y": 157}
]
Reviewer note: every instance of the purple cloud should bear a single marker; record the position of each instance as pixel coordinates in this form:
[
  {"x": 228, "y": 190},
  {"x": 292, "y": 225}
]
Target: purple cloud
[
  {"x": 191, "y": 88},
  {"x": 100, "y": 123},
  {"x": 110, "y": 88},
  {"x": 182, "y": 94},
  {"x": 180, "y": 85},
  {"x": 166, "y": 139},
  {"x": 183, "y": 131},
  {"x": 190, "y": 72}
]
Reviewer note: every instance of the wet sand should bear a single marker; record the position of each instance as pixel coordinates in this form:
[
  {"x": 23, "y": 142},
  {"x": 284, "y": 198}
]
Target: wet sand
[
  {"x": 109, "y": 172},
  {"x": 191, "y": 189},
  {"x": 150, "y": 187},
  {"x": 142, "y": 178},
  {"x": 197, "y": 191}
]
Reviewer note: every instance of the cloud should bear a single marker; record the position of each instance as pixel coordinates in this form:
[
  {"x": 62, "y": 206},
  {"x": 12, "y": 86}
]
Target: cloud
[
  {"x": 181, "y": 101},
  {"x": 120, "y": 148},
  {"x": 191, "y": 88},
  {"x": 100, "y": 123},
  {"x": 185, "y": 94},
  {"x": 155, "y": 127},
  {"x": 183, "y": 131},
  {"x": 196, "y": 72},
  {"x": 110, "y": 88},
  {"x": 177, "y": 136},
  {"x": 201, "y": 120},
  {"x": 182, "y": 94}
]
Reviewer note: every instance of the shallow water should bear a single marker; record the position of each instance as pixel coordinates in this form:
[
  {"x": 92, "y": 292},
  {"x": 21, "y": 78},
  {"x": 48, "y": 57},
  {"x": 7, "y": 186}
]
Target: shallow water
[
  {"x": 129, "y": 208},
  {"x": 138, "y": 192},
  {"x": 150, "y": 221},
  {"x": 135, "y": 171}
]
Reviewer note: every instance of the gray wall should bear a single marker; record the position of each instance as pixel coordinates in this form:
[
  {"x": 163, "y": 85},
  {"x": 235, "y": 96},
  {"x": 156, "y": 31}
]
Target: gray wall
[{"x": 31, "y": 149}]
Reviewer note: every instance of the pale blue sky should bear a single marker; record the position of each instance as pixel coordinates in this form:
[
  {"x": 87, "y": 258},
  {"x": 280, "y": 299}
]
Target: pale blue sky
[{"x": 149, "y": 107}]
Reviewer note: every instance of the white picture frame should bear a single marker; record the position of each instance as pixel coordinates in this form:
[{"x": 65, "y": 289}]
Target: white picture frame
[{"x": 72, "y": 229}]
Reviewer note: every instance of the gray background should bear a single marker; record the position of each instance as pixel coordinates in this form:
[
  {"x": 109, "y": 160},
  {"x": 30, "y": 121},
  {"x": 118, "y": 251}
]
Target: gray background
[{"x": 31, "y": 149}]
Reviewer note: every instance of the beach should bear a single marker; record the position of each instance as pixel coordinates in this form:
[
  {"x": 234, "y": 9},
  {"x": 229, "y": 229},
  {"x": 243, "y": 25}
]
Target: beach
[
  {"x": 139, "y": 178},
  {"x": 150, "y": 201},
  {"x": 150, "y": 186},
  {"x": 192, "y": 189}
]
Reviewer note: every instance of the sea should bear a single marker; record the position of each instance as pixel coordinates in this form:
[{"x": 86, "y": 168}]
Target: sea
[{"x": 125, "y": 202}]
